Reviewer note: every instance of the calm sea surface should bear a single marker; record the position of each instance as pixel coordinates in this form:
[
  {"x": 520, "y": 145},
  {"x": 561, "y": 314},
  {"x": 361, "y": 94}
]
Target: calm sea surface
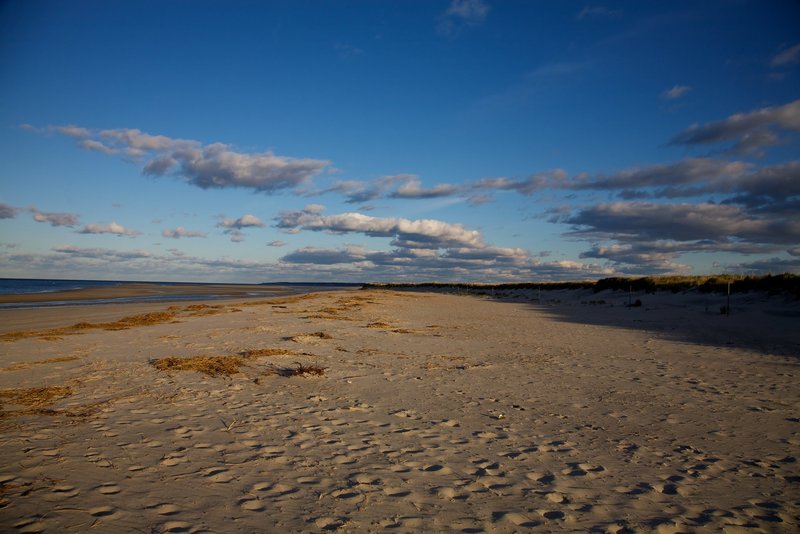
[{"x": 16, "y": 286}]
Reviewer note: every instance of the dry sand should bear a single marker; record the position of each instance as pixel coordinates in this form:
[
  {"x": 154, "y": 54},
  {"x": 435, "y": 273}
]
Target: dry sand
[{"x": 434, "y": 413}]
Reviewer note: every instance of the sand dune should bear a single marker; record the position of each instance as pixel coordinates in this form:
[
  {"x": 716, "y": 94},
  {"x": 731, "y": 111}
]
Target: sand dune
[{"x": 434, "y": 412}]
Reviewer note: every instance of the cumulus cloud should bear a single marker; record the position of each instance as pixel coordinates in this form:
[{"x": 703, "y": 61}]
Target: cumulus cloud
[
  {"x": 245, "y": 221},
  {"x": 212, "y": 166},
  {"x": 422, "y": 264},
  {"x": 350, "y": 263},
  {"x": 421, "y": 233},
  {"x": 180, "y": 232},
  {"x": 276, "y": 243},
  {"x": 55, "y": 219},
  {"x": 749, "y": 132},
  {"x": 7, "y": 211},
  {"x": 112, "y": 228},
  {"x": 413, "y": 189},
  {"x": 786, "y": 57},
  {"x": 233, "y": 227},
  {"x": 423, "y": 249},
  {"x": 676, "y": 91}
]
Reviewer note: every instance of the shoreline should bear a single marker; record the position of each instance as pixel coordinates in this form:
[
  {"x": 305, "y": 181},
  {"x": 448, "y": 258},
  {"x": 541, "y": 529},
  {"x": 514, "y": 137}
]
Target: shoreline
[{"x": 132, "y": 292}]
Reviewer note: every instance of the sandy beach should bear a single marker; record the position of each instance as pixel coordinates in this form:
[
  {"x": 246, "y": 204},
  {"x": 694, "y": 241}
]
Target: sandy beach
[{"x": 428, "y": 412}]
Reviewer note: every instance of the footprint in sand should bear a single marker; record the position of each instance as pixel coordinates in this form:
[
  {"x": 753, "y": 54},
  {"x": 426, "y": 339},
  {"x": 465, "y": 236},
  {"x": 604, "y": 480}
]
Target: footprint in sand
[
  {"x": 515, "y": 518},
  {"x": 553, "y": 515},
  {"x": 437, "y": 469},
  {"x": 30, "y": 526},
  {"x": 176, "y": 526},
  {"x": 365, "y": 479},
  {"x": 220, "y": 475},
  {"x": 173, "y": 459},
  {"x": 274, "y": 490},
  {"x": 183, "y": 432},
  {"x": 252, "y": 505},
  {"x": 448, "y": 493},
  {"x": 102, "y": 511},
  {"x": 348, "y": 495},
  {"x": 396, "y": 492},
  {"x": 166, "y": 509},
  {"x": 330, "y": 523},
  {"x": 557, "y": 498},
  {"x": 108, "y": 488},
  {"x": 64, "y": 491}
]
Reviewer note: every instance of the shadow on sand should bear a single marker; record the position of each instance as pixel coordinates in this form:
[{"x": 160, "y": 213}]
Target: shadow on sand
[{"x": 758, "y": 322}]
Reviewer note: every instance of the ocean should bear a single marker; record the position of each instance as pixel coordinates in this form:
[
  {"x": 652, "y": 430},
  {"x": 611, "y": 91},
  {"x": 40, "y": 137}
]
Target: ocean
[{"x": 17, "y": 286}]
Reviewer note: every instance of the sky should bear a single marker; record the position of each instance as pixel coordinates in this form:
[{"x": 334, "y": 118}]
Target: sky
[{"x": 414, "y": 140}]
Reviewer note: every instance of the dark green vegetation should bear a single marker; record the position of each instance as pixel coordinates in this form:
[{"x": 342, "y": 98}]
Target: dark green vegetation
[{"x": 778, "y": 284}]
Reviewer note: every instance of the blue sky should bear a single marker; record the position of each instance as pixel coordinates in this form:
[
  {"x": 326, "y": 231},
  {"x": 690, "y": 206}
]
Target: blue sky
[{"x": 470, "y": 140}]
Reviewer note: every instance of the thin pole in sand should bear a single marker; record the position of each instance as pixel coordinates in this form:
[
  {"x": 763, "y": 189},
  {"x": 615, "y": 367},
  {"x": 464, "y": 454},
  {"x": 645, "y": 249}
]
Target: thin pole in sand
[
  {"x": 728, "y": 308},
  {"x": 630, "y": 294}
]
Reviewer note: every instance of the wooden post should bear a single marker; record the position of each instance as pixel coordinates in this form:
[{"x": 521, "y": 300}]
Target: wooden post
[{"x": 728, "y": 310}]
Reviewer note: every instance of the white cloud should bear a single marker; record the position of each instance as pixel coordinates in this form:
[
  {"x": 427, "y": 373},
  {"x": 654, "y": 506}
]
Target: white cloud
[
  {"x": 245, "y": 221},
  {"x": 180, "y": 232},
  {"x": 212, "y": 166},
  {"x": 676, "y": 91},
  {"x": 412, "y": 188},
  {"x": 276, "y": 243},
  {"x": 72, "y": 131},
  {"x": 786, "y": 57},
  {"x": 233, "y": 227},
  {"x": 421, "y": 233},
  {"x": 112, "y": 228}
]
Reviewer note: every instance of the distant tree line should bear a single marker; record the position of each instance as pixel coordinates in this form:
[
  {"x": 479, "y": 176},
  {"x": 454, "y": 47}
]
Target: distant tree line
[{"x": 786, "y": 283}]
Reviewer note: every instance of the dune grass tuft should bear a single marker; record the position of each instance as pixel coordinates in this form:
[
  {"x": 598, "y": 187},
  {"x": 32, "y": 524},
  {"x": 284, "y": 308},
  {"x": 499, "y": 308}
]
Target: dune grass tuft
[
  {"x": 145, "y": 319},
  {"x": 261, "y": 353},
  {"x": 226, "y": 365},
  {"x": 208, "y": 365},
  {"x": 25, "y": 365},
  {"x": 35, "y": 397}
]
